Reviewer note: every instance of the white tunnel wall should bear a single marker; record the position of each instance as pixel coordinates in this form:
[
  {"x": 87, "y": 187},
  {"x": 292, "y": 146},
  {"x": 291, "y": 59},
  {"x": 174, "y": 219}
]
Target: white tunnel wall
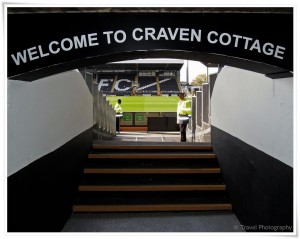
[
  {"x": 45, "y": 114},
  {"x": 255, "y": 109}
]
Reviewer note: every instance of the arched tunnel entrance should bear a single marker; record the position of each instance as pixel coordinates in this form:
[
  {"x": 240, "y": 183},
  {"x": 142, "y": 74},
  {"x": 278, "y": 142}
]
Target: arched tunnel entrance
[
  {"x": 96, "y": 39},
  {"x": 101, "y": 38},
  {"x": 257, "y": 166}
]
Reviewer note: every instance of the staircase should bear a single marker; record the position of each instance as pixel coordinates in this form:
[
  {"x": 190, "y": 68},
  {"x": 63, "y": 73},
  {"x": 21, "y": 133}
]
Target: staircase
[{"x": 127, "y": 177}]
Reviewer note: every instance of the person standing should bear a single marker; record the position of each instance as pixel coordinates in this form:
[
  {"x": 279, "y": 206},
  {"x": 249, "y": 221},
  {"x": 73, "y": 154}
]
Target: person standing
[
  {"x": 119, "y": 114},
  {"x": 118, "y": 107},
  {"x": 183, "y": 114}
]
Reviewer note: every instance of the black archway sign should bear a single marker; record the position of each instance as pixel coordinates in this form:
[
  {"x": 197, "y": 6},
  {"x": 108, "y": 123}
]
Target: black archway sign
[{"x": 44, "y": 44}]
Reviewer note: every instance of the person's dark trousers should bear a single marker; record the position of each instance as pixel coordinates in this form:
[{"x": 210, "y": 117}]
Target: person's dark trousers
[
  {"x": 117, "y": 124},
  {"x": 182, "y": 133}
]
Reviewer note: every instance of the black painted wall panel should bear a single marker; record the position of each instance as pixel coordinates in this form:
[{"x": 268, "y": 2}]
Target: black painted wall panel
[
  {"x": 162, "y": 124},
  {"x": 40, "y": 196},
  {"x": 212, "y": 81},
  {"x": 260, "y": 187}
]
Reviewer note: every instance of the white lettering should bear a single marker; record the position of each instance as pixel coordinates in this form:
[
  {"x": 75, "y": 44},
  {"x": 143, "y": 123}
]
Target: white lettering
[
  {"x": 181, "y": 34},
  {"x": 268, "y": 51},
  {"x": 237, "y": 37},
  {"x": 225, "y": 43},
  {"x": 246, "y": 42},
  {"x": 209, "y": 37},
  {"x": 195, "y": 35},
  {"x": 256, "y": 46},
  {"x": 173, "y": 34},
  {"x": 134, "y": 34},
  {"x": 250, "y": 44},
  {"x": 80, "y": 43},
  {"x": 63, "y": 44},
  {"x": 31, "y": 52},
  {"x": 162, "y": 33},
  {"x": 93, "y": 37},
  {"x": 279, "y": 50},
  {"x": 51, "y": 49},
  {"x": 149, "y": 32},
  {"x": 184, "y": 32},
  {"x": 19, "y": 57},
  {"x": 41, "y": 52},
  {"x": 55, "y": 47},
  {"x": 103, "y": 82},
  {"x": 123, "y": 37},
  {"x": 108, "y": 36},
  {"x": 125, "y": 88}
]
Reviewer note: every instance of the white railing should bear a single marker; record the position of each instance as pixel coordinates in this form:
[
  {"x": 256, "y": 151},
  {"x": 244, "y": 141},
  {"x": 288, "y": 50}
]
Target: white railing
[
  {"x": 199, "y": 128},
  {"x": 104, "y": 115}
]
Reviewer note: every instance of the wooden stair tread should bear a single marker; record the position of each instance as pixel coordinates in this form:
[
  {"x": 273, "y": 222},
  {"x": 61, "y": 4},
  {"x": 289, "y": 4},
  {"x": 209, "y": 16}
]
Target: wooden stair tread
[
  {"x": 187, "y": 187},
  {"x": 133, "y": 155},
  {"x": 143, "y": 208},
  {"x": 155, "y": 146},
  {"x": 151, "y": 170},
  {"x": 152, "y": 163},
  {"x": 151, "y": 179},
  {"x": 151, "y": 197},
  {"x": 155, "y": 199}
]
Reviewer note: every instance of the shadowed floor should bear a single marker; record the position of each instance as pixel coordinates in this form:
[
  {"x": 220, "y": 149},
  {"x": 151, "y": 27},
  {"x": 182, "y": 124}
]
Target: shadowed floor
[{"x": 154, "y": 222}]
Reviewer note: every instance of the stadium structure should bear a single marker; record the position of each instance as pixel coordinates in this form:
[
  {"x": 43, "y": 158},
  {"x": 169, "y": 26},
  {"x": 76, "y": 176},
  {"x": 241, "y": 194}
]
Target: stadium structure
[
  {"x": 148, "y": 89},
  {"x": 140, "y": 77}
]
